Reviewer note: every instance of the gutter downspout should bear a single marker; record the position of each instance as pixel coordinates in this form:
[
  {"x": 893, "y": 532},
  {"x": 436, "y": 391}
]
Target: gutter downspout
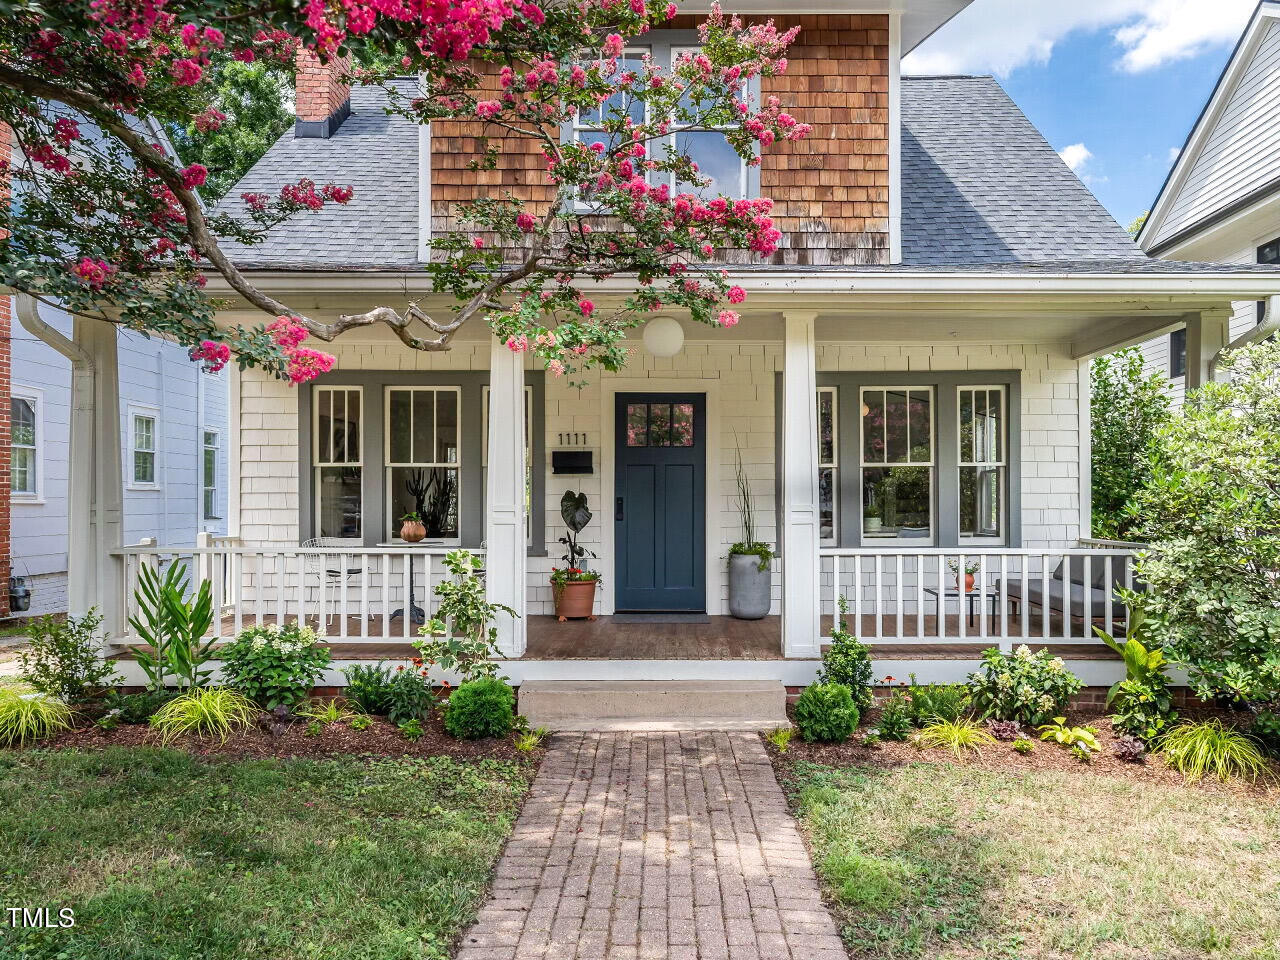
[
  {"x": 1269, "y": 326},
  {"x": 29, "y": 317}
]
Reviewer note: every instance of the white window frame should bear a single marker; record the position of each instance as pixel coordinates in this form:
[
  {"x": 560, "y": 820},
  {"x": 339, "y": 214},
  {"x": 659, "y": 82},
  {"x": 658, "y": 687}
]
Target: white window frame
[
  {"x": 664, "y": 46},
  {"x": 138, "y": 412},
  {"x": 35, "y": 397},
  {"x": 208, "y": 509},
  {"x": 388, "y": 464},
  {"x": 932, "y": 464},
  {"x": 1001, "y": 465},
  {"x": 318, "y": 463},
  {"x": 833, "y": 464}
]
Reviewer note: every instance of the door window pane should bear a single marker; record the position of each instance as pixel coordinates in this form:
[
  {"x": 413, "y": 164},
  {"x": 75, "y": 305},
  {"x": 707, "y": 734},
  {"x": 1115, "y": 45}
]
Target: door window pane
[
  {"x": 897, "y": 460},
  {"x": 982, "y": 463},
  {"x": 660, "y": 425},
  {"x": 336, "y": 462}
]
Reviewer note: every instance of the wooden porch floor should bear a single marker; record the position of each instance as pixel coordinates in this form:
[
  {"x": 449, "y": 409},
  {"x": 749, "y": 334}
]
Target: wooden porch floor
[{"x": 717, "y": 638}]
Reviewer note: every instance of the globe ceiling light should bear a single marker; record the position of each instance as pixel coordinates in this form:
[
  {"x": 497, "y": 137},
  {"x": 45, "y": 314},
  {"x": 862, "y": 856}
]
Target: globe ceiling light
[{"x": 663, "y": 336}]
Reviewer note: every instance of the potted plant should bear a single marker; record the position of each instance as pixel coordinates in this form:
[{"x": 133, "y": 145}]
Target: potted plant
[
  {"x": 749, "y": 560},
  {"x": 411, "y": 527},
  {"x": 970, "y": 568},
  {"x": 573, "y": 586},
  {"x": 871, "y": 519}
]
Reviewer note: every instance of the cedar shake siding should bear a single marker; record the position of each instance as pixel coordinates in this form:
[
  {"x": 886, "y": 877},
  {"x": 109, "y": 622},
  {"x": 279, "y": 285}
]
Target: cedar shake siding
[{"x": 830, "y": 190}]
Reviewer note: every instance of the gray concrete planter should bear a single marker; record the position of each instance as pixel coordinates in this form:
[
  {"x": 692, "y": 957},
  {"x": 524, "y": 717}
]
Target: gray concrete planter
[{"x": 748, "y": 587}]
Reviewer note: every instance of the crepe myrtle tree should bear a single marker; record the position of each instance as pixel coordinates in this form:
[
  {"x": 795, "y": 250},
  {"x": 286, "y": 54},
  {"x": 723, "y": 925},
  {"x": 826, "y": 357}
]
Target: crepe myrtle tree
[{"x": 106, "y": 224}]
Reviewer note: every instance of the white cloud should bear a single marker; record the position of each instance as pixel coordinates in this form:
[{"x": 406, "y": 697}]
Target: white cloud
[
  {"x": 1174, "y": 154},
  {"x": 998, "y": 36},
  {"x": 1075, "y": 156}
]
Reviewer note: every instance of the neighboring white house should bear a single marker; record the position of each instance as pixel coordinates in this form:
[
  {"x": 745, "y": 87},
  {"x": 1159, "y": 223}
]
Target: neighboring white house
[
  {"x": 1221, "y": 201},
  {"x": 174, "y": 436}
]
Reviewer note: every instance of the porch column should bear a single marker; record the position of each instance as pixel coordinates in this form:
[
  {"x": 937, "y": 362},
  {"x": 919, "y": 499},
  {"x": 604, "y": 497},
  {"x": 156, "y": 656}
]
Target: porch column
[
  {"x": 1207, "y": 333},
  {"x": 506, "y": 553},
  {"x": 95, "y": 507},
  {"x": 801, "y": 615}
]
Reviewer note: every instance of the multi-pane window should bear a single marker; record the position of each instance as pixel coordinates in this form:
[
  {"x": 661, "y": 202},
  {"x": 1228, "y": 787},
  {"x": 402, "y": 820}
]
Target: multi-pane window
[
  {"x": 982, "y": 462},
  {"x": 706, "y": 145},
  {"x": 209, "y": 474},
  {"x": 336, "y": 461},
  {"x": 144, "y": 449},
  {"x": 897, "y": 462},
  {"x": 660, "y": 425},
  {"x": 24, "y": 469},
  {"x": 1267, "y": 253},
  {"x": 1178, "y": 353},
  {"x": 828, "y": 465},
  {"x": 422, "y": 458}
]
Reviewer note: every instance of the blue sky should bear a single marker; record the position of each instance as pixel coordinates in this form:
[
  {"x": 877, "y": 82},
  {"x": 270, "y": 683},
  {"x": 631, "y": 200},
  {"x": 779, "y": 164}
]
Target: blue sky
[{"x": 1114, "y": 85}]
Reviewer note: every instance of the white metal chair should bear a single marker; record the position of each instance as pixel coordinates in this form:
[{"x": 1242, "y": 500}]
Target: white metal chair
[{"x": 335, "y": 577}]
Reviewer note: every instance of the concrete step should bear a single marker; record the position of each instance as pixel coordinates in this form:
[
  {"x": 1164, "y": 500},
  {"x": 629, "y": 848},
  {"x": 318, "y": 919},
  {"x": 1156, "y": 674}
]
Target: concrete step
[{"x": 576, "y": 705}]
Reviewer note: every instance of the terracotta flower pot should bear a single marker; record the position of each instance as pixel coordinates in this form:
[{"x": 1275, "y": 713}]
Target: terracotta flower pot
[
  {"x": 411, "y": 531},
  {"x": 575, "y": 599},
  {"x": 968, "y": 582}
]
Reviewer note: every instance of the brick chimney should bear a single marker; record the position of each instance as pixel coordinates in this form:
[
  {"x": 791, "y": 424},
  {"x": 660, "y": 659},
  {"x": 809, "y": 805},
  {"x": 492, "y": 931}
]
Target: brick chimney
[{"x": 323, "y": 99}]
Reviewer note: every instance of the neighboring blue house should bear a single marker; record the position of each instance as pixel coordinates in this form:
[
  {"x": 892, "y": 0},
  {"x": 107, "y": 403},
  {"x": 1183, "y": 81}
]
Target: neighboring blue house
[{"x": 174, "y": 436}]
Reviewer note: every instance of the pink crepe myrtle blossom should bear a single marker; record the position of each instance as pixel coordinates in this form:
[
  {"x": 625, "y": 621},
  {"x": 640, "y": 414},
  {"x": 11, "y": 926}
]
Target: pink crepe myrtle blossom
[
  {"x": 612, "y": 46},
  {"x": 556, "y": 367},
  {"x": 186, "y": 73},
  {"x": 65, "y": 131},
  {"x": 477, "y": 243},
  {"x": 209, "y": 120},
  {"x": 736, "y": 294},
  {"x": 488, "y": 108},
  {"x": 93, "y": 273},
  {"x": 287, "y": 332},
  {"x": 212, "y": 354},
  {"x": 728, "y": 318},
  {"x": 194, "y": 175},
  {"x": 518, "y": 344},
  {"x": 303, "y": 364},
  {"x": 587, "y": 307},
  {"x": 525, "y": 222}
]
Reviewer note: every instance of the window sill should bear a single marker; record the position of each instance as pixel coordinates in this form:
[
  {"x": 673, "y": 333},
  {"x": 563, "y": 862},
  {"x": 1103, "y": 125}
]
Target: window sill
[
  {"x": 26, "y": 500},
  {"x": 147, "y": 487}
]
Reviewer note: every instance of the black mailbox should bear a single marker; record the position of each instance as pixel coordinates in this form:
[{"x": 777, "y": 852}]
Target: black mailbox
[{"x": 569, "y": 462}]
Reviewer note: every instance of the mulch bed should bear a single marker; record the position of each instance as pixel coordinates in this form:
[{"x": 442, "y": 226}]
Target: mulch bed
[
  {"x": 1003, "y": 759},
  {"x": 381, "y": 739}
]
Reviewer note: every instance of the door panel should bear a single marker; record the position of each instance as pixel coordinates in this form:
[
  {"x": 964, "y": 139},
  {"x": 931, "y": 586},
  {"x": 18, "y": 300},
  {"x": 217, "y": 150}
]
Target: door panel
[{"x": 660, "y": 502}]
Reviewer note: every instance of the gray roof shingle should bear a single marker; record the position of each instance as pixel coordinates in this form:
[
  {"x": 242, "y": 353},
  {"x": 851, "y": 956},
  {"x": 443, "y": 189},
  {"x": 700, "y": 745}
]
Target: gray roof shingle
[
  {"x": 372, "y": 151},
  {"x": 980, "y": 184}
]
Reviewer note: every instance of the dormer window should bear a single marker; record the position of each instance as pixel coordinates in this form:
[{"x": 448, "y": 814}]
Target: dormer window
[{"x": 706, "y": 146}]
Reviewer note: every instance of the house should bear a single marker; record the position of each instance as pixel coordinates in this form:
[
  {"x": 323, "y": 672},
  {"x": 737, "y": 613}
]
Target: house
[
  {"x": 1221, "y": 201},
  {"x": 174, "y": 435},
  {"x": 908, "y": 389}
]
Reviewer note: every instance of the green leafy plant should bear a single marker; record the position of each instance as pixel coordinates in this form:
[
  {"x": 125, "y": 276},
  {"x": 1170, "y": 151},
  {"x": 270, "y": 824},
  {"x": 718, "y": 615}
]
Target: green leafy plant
[
  {"x": 28, "y": 716},
  {"x": 206, "y": 713},
  {"x": 361, "y": 722},
  {"x": 325, "y": 712},
  {"x": 173, "y": 627},
  {"x": 1024, "y": 746},
  {"x": 781, "y": 738},
  {"x": 848, "y": 661},
  {"x": 462, "y": 636},
  {"x": 408, "y": 695},
  {"x": 826, "y": 713},
  {"x": 930, "y": 702},
  {"x": 1086, "y": 738},
  {"x": 871, "y": 739},
  {"x": 530, "y": 740},
  {"x": 748, "y": 545},
  {"x": 576, "y": 515},
  {"x": 1266, "y": 730},
  {"x": 895, "y": 717},
  {"x": 369, "y": 686},
  {"x": 411, "y": 730},
  {"x": 1199, "y": 750},
  {"x": 274, "y": 666},
  {"x": 1022, "y": 686},
  {"x": 136, "y": 707},
  {"x": 958, "y": 736},
  {"x": 313, "y": 728},
  {"x": 1142, "y": 705},
  {"x": 64, "y": 658},
  {"x": 484, "y": 707},
  {"x": 1082, "y": 753}
]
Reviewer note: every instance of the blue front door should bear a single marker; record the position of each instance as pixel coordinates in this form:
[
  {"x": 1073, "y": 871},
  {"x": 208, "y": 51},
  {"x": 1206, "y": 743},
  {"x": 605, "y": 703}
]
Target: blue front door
[{"x": 659, "y": 504}]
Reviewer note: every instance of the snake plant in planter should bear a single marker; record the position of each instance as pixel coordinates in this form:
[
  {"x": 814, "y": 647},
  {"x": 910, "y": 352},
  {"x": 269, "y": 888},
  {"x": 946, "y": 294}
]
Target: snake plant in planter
[{"x": 749, "y": 560}]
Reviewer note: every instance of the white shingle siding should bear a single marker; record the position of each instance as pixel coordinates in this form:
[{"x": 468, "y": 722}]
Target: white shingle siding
[
  {"x": 1243, "y": 151},
  {"x": 745, "y": 383}
]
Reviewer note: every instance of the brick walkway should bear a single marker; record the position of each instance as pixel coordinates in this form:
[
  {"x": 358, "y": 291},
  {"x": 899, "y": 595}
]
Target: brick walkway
[{"x": 659, "y": 845}]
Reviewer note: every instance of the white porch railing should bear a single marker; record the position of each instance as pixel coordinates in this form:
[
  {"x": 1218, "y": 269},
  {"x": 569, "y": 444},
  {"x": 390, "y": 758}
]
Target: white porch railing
[
  {"x": 345, "y": 595},
  {"x": 913, "y": 595}
]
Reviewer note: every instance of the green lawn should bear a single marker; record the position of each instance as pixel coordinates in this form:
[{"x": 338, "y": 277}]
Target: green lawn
[
  {"x": 944, "y": 861},
  {"x": 166, "y": 857}
]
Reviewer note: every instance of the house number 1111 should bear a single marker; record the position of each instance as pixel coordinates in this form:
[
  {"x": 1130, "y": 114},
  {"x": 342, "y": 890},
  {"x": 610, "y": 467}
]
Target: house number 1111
[{"x": 572, "y": 439}]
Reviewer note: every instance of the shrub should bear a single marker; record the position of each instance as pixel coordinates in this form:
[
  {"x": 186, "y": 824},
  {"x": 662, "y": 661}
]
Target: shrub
[
  {"x": 27, "y": 717},
  {"x": 214, "y": 713},
  {"x": 1023, "y": 745},
  {"x": 1197, "y": 750},
  {"x": 1129, "y": 749},
  {"x": 64, "y": 660},
  {"x": 1004, "y": 729},
  {"x": 1026, "y": 687},
  {"x": 411, "y": 730},
  {"x": 174, "y": 624},
  {"x": 895, "y": 717},
  {"x": 461, "y": 637},
  {"x": 825, "y": 712},
  {"x": 848, "y": 661},
  {"x": 408, "y": 696},
  {"x": 956, "y": 736},
  {"x": 137, "y": 707},
  {"x": 937, "y": 701},
  {"x": 361, "y": 722},
  {"x": 1266, "y": 730},
  {"x": 1141, "y": 703},
  {"x": 1210, "y": 514},
  {"x": 369, "y": 686},
  {"x": 485, "y": 707},
  {"x": 274, "y": 666}
]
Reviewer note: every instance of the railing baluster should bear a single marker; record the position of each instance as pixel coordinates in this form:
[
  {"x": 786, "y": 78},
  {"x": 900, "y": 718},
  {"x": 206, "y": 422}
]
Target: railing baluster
[
  {"x": 342, "y": 602},
  {"x": 1108, "y": 590},
  {"x": 1086, "y": 595},
  {"x": 364, "y": 596},
  {"x": 898, "y": 590},
  {"x": 879, "y": 581},
  {"x": 835, "y": 597},
  {"x": 919, "y": 596},
  {"x": 320, "y": 563},
  {"x": 302, "y": 592},
  {"x": 407, "y": 618},
  {"x": 215, "y": 562},
  {"x": 282, "y": 569},
  {"x": 962, "y": 599},
  {"x": 1024, "y": 607},
  {"x": 984, "y": 626},
  {"x": 1044, "y": 597},
  {"x": 1002, "y": 598},
  {"x": 857, "y": 594},
  {"x": 384, "y": 576},
  {"x": 941, "y": 609},
  {"x": 237, "y": 573}
]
